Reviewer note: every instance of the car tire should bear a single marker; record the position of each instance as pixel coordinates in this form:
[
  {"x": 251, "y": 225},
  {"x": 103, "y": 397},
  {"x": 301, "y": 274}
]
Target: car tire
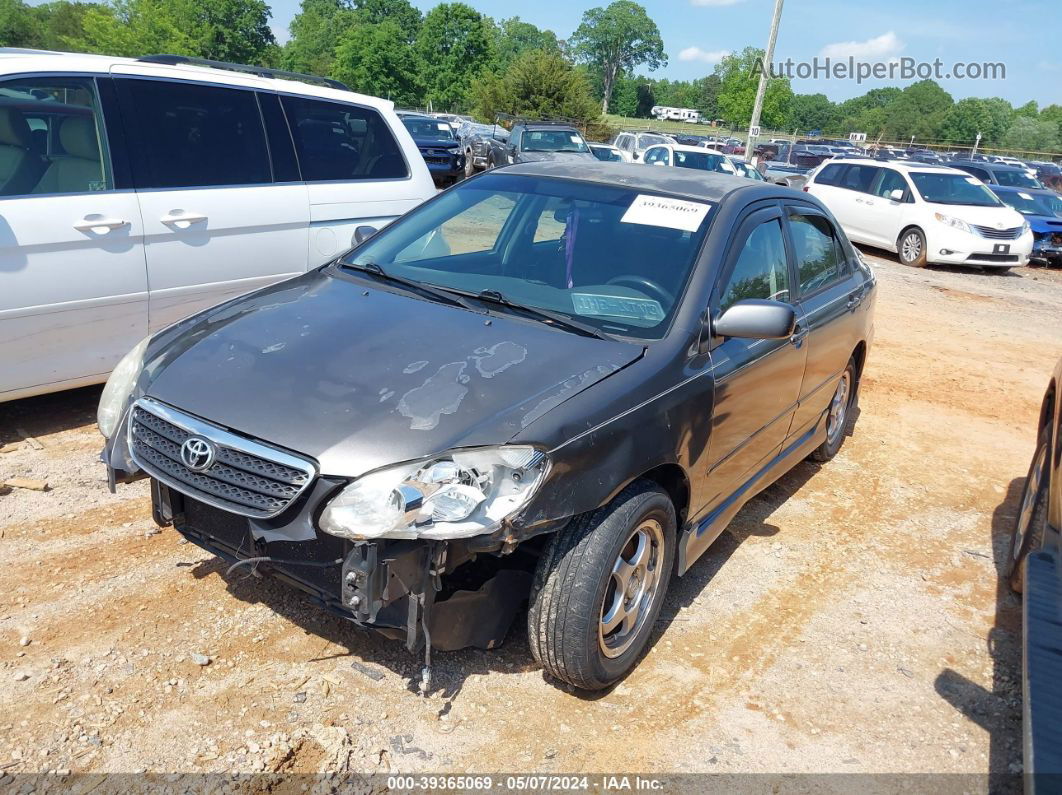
[
  {"x": 470, "y": 166},
  {"x": 911, "y": 248},
  {"x": 1030, "y": 526},
  {"x": 839, "y": 416},
  {"x": 580, "y": 582}
]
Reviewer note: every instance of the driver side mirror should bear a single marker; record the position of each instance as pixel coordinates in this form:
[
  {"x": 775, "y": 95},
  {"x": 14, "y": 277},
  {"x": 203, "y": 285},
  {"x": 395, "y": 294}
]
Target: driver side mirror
[
  {"x": 363, "y": 233},
  {"x": 896, "y": 195},
  {"x": 756, "y": 319}
]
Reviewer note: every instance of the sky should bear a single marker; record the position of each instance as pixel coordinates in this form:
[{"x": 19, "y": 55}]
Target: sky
[{"x": 1024, "y": 35}]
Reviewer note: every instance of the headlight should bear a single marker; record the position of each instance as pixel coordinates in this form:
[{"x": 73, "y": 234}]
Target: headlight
[
  {"x": 955, "y": 223},
  {"x": 1025, "y": 228},
  {"x": 457, "y": 495},
  {"x": 119, "y": 386}
]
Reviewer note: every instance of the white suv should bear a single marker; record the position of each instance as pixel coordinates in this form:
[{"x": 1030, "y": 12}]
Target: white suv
[
  {"x": 136, "y": 192},
  {"x": 925, "y": 213}
]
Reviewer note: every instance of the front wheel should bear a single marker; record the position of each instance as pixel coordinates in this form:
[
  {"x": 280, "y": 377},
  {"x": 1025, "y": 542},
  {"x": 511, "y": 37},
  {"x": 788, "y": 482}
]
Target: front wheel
[
  {"x": 1031, "y": 524},
  {"x": 599, "y": 588},
  {"x": 839, "y": 415},
  {"x": 470, "y": 167},
  {"x": 912, "y": 248}
]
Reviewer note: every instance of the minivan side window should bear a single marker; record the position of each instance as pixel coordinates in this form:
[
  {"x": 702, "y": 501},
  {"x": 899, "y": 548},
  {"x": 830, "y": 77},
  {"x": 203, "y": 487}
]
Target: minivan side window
[
  {"x": 980, "y": 173},
  {"x": 859, "y": 178},
  {"x": 51, "y": 137},
  {"x": 336, "y": 141},
  {"x": 830, "y": 175},
  {"x": 819, "y": 255},
  {"x": 186, "y": 135},
  {"x": 888, "y": 181},
  {"x": 761, "y": 270}
]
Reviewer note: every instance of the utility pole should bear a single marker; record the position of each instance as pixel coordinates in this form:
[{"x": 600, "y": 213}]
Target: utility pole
[
  {"x": 977, "y": 142},
  {"x": 757, "y": 108}
]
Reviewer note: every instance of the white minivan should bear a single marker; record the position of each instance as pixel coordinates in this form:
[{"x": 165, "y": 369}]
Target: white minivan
[
  {"x": 926, "y": 213},
  {"x": 136, "y": 192}
]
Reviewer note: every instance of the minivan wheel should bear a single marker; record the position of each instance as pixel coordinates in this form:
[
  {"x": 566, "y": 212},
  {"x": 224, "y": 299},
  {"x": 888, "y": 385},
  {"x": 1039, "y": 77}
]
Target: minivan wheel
[
  {"x": 839, "y": 415},
  {"x": 599, "y": 587},
  {"x": 912, "y": 248},
  {"x": 1031, "y": 524}
]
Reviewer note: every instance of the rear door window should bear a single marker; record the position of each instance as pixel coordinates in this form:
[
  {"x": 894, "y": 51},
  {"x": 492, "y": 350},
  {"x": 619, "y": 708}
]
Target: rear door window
[
  {"x": 819, "y": 255},
  {"x": 859, "y": 178},
  {"x": 336, "y": 141},
  {"x": 186, "y": 135}
]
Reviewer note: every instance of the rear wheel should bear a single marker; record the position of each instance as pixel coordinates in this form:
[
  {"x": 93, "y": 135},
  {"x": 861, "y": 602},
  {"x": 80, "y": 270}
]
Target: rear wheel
[
  {"x": 1031, "y": 524},
  {"x": 470, "y": 167},
  {"x": 912, "y": 248},
  {"x": 599, "y": 587},
  {"x": 839, "y": 415}
]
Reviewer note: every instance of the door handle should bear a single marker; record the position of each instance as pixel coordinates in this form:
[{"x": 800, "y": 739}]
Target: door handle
[
  {"x": 182, "y": 219},
  {"x": 854, "y": 300},
  {"x": 800, "y": 333},
  {"x": 99, "y": 224}
]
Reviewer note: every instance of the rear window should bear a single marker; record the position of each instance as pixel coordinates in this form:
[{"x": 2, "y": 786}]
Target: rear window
[
  {"x": 830, "y": 175},
  {"x": 335, "y": 141},
  {"x": 1016, "y": 179}
]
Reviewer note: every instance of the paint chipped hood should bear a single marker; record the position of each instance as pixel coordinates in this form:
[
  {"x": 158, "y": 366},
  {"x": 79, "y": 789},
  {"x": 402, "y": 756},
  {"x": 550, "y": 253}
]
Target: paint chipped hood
[{"x": 359, "y": 377}]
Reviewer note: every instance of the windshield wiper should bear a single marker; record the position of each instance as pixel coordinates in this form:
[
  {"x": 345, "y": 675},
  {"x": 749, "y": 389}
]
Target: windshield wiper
[
  {"x": 440, "y": 294},
  {"x": 545, "y": 316}
]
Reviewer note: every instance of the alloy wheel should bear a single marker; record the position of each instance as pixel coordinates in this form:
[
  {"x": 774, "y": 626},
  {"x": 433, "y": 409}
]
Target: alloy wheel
[
  {"x": 838, "y": 416},
  {"x": 1028, "y": 500},
  {"x": 632, "y": 590}
]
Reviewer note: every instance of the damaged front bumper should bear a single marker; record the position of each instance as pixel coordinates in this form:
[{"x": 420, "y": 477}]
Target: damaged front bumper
[{"x": 405, "y": 589}]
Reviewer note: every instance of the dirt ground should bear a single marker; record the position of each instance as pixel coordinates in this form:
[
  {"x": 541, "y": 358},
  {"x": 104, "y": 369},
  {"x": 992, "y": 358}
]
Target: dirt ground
[{"x": 850, "y": 620}]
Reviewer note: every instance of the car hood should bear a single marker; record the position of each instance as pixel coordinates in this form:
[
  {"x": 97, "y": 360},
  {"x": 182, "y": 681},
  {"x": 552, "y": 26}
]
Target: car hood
[
  {"x": 359, "y": 377},
  {"x": 436, "y": 143},
  {"x": 538, "y": 157},
  {"x": 1044, "y": 223}
]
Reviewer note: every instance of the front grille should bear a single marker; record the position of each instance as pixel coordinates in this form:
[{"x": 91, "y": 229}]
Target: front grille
[
  {"x": 444, "y": 161},
  {"x": 998, "y": 234},
  {"x": 245, "y": 477},
  {"x": 992, "y": 258}
]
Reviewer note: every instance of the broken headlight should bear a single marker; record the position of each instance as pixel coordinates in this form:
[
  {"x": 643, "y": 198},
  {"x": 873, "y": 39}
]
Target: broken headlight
[{"x": 457, "y": 495}]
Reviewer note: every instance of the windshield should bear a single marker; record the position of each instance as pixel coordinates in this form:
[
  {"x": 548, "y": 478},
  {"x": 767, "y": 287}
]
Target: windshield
[
  {"x": 553, "y": 141},
  {"x": 429, "y": 128},
  {"x": 606, "y": 153},
  {"x": 612, "y": 257},
  {"x": 645, "y": 141},
  {"x": 1034, "y": 203},
  {"x": 1016, "y": 179},
  {"x": 705, "y": 161},
  {"x": 953, "y": 189}
]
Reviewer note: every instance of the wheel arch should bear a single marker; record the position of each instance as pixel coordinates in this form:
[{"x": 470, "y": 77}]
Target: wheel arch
[
  {"x": 907, "y": 229},
  {"x": 673, "y": 480}
]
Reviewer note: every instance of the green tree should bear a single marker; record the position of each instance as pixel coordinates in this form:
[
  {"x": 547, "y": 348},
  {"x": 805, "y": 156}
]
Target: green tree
[
  {"x": 739, "y": 80},
  {"x": 615, "y": 40},
  {"x": 64, "y": 24},
  {"x": 1031, "y": 135},
  {"x": 538, "y": 84},
  {"x": 812, "y": 112},
  {"x": 918, "y": 111},
  {"x": 19, "y": 25},
  {"x": 378, "y": 60},
  {"x": 401, "y": 12},
  {"x": 1029, "y": 110},
  {"x": 968, "y": 117},
  {"x": 225, "y": 30},
  {"x": 315, "y": 31},
  {"x": 453, "y": 47},
  {"x": 514, "y": 37},
  {"x": 1052, "y": 113}
]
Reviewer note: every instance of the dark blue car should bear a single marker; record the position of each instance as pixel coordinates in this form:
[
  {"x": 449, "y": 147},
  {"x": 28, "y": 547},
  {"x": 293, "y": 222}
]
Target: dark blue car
[
  {"x": 438, "y": 146},
  {"x": 1043, "y": 210}
]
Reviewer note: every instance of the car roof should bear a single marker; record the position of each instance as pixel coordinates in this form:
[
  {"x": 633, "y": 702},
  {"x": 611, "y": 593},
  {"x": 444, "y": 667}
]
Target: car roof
[
  {"x": 900, "y": 165},
  {"x": 687, "y": 148},
  {"x": 14, "y": 61},
  {"x": 991, "y": 166},
  {"x": 706, "y": 186}
]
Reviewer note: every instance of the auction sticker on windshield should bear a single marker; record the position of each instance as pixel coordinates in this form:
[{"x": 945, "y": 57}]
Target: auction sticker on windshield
[
  {"x": 668, "y": 213},
  {"x": 617, "y": 306}
]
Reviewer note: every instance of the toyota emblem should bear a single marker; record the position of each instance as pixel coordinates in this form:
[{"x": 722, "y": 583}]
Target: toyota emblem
[{"x": 198, "y": 453}]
